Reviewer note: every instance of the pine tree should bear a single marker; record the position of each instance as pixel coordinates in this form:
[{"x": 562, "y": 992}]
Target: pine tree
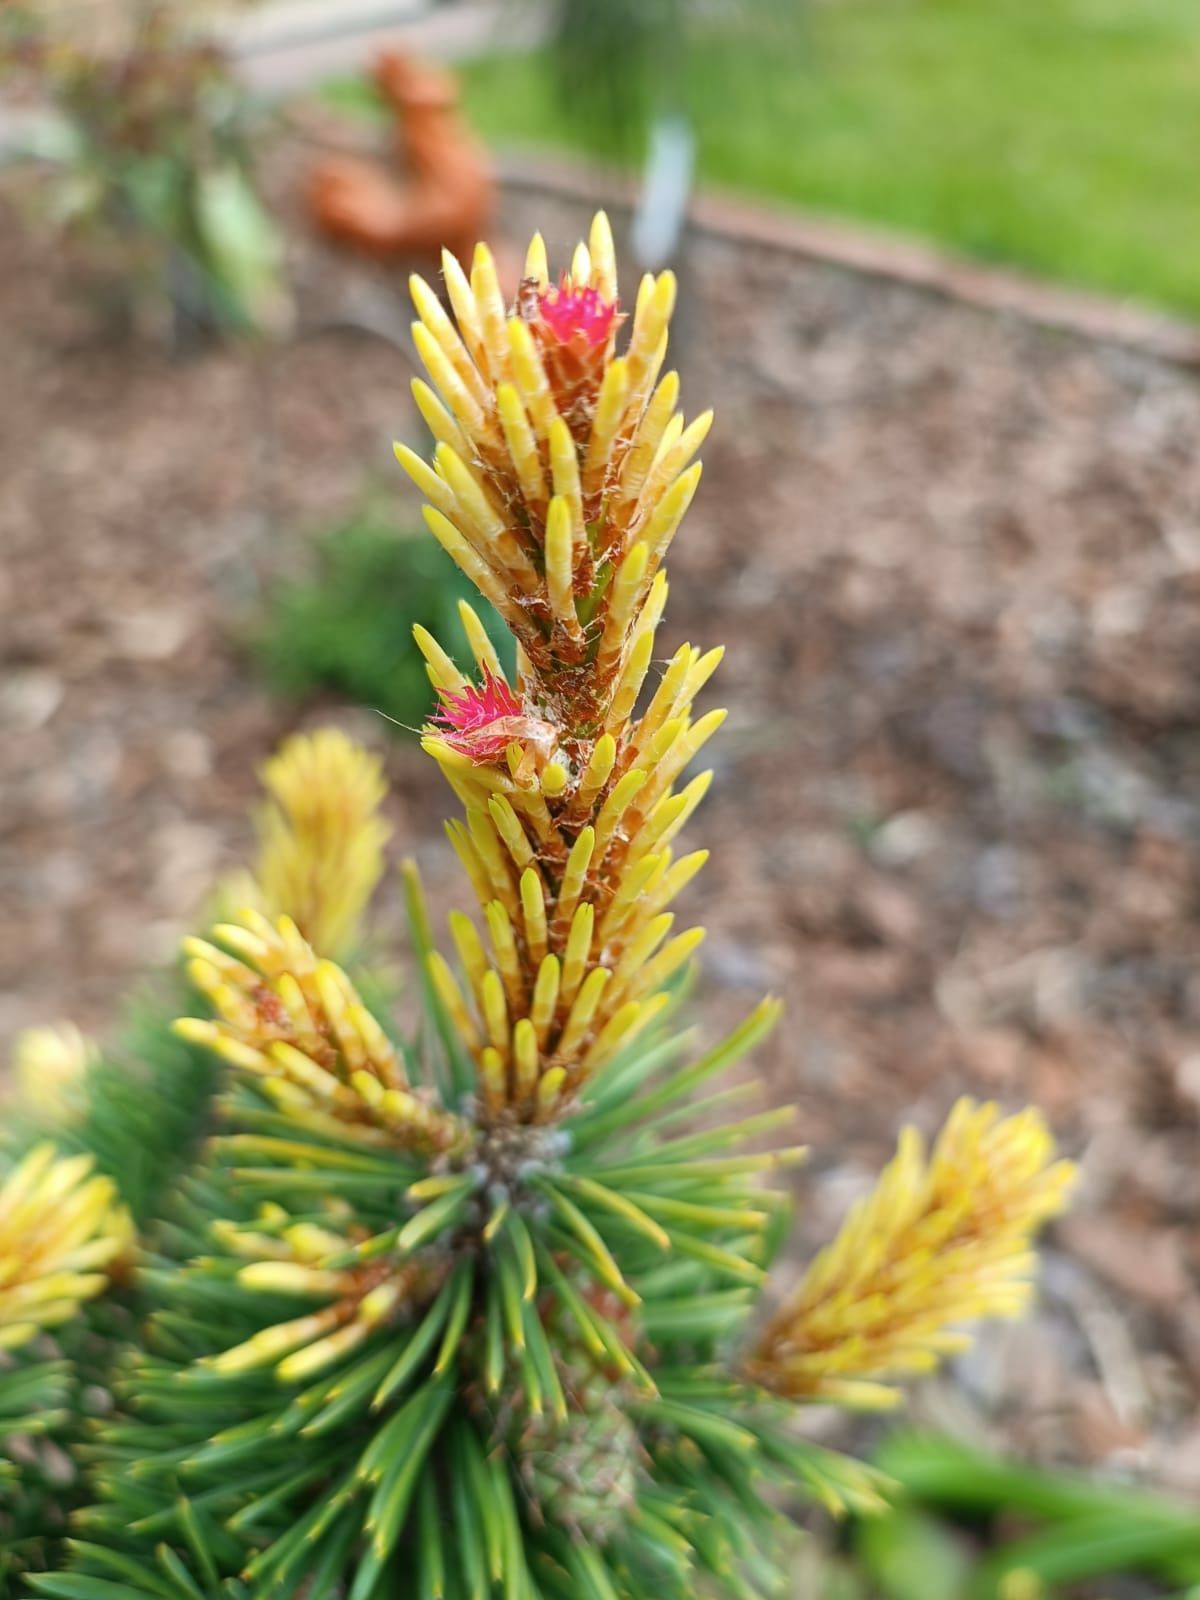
[{"x": 471, "y": 1310}]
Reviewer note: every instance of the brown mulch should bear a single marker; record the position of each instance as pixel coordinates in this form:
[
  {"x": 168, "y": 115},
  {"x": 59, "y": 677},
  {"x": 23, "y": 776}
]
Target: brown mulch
[{"x": 956, "y": 563}]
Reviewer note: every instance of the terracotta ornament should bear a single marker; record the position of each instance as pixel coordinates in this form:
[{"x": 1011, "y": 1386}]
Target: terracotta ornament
[{"x": 441, "y": 190}]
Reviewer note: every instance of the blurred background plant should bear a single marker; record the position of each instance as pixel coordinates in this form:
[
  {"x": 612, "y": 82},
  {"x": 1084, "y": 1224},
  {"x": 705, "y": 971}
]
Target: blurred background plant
[
  {"x": 966, "y": 1524},
  {"x": 347, "y": 623},
  {"x": 1056, "y": 137},
  {"x": 619, "y": 65},
  {"x": 146, "y": 139}
]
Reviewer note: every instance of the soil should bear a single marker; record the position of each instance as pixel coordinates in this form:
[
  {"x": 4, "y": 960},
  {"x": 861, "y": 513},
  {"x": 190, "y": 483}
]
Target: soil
[{"x": 956, "y": 563}]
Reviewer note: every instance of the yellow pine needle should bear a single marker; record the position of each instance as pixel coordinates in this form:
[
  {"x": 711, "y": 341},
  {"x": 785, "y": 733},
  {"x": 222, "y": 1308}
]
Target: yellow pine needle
[
  {"x": 655, "y": 750},
  {"x": 508, "y": 826},
  {"x": 379, "y": 1303},
  {"x": 253, "y": 938},
  {"x": 633, "y": 885},
  {"x": 661, "y": 825},
  {"x": 304, "y": 1072},
  {"x": 242, "y": 1056},
  {"x": 647, "y": 438},
  {"x": 676, "y": 879},
  {"x": 323, "y": 1353},
  {"x": 229, "y": 968},
  {"x": 633, "y": 675},
  {"x": 379, "y": 1049},
  {"x": 446, "y": 335},
  {"x": 481, "y": 522},
  {"x": 466, "y": 311},
  {"x": 471, "y": 564},
  {"x": 652, "y": 610},
  {"x": 554, "y": 780},
  {"x": 536, "y": 265},
  {"x": 50, "y": 1064},
  {"x": 433, "y": 1188},
  {"x": 525, "y": 1061},
  {"x": 494, "y": 857},
  {"x": 579, "y": 945},
  {"x": 579, "y": 1018},
  {"x": 606, "y": 424},
  {"x": 533, "y": 915},
  {"x": 485, "y": 285},
  {"x": 438, "y": 420},
  {"x": 549, "y": 1092},
  {"x": 478, "y": 781},
  {"x": 493, "y": 1079},
  {"x": 653, "y": 368},
  {"x": 531, "y": 803},
  {"x": 434, "y": 487},
  {"x": 662, "y": 703},
  {"x": 495, "y": 1013},
  {"x": 261, "y": 935},
  {"x": 522, "y": 446},
  {"x": 646, "y": 905},
  {"x": 401, "y": 1111},
  {"x": 623, "y": 793},
  {"x": 368, "y": 1088},
  {"x": 671, "y": 434},
  {"x": 560, "y": 582},
  {"x": 292, "y": 1277},
  {"x": 612, "y": 1034},
  {"x": 29, "y": 1182},
  {"x": 667, "y": 963},
  {"x": 470, "y": 948},
  {"x": 564, "y": 473},
  {"x": 481, "y": 645},
  {"x": 612, "y": 1200},
  {"x": 291, "y": 997},
  {"x": 222, "y": 996},
  {"x": 451, "y": 996},
  {"x": 595, "y": 775},
  {"x": 639, "y": 951},
  {"x": 942, "y": 1240},
  {"x": 622, "y": 600},
  {"x": 497, "y": 1220},
  {"x": 292, "y": 945},
  {"x": 651, "y": 316},
  {"x": 682, "y": 751},
  {"x": 603, "y": 254},
  {"x": 672, "y": 458},
  {"x": 514, "y": 755},
  {"x": 467, "y": 854},
  {"x": 334, "y": 991},
  {"x": 461, "y": 782},
  {"x": 504, "y": 946},
  {"x": 463, "y": 403},
  {"x": 531, "y": 380},
  {"x": 337, "y": 1015},
  {"x": 574, "y": 876},
  {"x": 664, "y": 521},
  {"x": 701, "y": 671},
  {"x": 545, "y": 999},
  {"x": 267, "y": 1346}
]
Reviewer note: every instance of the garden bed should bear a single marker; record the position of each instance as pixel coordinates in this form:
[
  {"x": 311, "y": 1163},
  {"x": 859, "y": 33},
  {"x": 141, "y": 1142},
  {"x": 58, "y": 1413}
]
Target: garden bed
[{"x": 956, "y": 562}]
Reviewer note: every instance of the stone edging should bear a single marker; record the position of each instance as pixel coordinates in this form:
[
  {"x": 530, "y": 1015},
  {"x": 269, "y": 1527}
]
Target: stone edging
[{"x": 875, "y": 253}]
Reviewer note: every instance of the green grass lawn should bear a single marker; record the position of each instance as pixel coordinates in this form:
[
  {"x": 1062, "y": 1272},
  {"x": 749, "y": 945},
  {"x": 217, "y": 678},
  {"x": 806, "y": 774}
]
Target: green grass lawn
[{"x": 1062, "y": 136}]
